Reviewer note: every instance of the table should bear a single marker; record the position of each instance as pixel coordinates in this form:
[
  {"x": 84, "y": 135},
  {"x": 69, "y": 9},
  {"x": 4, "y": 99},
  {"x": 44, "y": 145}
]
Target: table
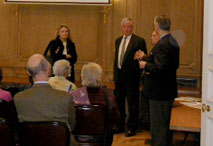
[{"x": 185, "y": 118}]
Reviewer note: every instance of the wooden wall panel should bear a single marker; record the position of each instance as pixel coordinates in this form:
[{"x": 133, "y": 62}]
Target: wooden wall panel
[
  {"x": 8, "y": 31},
  {"x": 27, "y": 29},
  {"x": 187, "y": 29}
]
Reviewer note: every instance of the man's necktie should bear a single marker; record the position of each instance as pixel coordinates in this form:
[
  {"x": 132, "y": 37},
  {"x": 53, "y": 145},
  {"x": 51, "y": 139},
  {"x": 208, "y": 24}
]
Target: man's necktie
[{"x": 122, "y": 51}]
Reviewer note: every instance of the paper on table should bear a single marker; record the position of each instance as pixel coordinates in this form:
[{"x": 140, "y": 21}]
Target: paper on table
[
  {"x": 189, "y": 99},
  {"x": 197, "y": 105}
]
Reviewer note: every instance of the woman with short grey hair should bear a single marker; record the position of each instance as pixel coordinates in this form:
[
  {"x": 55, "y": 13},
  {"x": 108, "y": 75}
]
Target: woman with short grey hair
[
  {"x": 61, "y": 70},
  {"x": 91, "y": 75}
]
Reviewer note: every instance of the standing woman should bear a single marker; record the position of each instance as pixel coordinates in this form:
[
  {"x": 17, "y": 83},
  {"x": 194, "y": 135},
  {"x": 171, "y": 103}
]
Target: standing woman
[{"x": 63, "y": 48}]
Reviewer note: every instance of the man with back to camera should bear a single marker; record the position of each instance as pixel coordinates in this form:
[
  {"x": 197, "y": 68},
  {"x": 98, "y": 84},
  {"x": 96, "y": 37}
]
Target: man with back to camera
[
  {"x": 127, "y": 76},
  {"x": 160, "y": 84},
  {"x": 42, "y": 102}
]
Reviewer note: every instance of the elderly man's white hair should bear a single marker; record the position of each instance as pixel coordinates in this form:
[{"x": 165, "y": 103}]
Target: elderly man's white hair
[
  {"x": 91, "y": 74},
  {"x": 61, "y": 68},
  {"x": 126, "y": 19}
]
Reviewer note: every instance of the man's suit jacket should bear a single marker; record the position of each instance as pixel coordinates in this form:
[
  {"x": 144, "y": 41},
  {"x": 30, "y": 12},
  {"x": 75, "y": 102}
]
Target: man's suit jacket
[
  {"x": 162, "y": 64},
  {"x": 130, "y": 67},
  {"x": 43, "y": 103}
]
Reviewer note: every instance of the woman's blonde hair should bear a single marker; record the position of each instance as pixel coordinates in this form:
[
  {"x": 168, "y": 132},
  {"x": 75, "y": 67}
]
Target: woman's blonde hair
[
  {"x": 60, "y": 27},
  {"x": 91, "y": 75}
]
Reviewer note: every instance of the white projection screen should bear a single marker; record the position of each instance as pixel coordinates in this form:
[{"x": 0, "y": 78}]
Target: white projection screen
[{"x": 74, "y": 2}]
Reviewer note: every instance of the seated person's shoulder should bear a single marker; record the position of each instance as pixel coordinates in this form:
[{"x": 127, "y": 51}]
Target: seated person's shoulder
[
  {"x": 5, "y": 95},
  {"x": 23, "y": 93},
  {"x": 72, "y": 87},
  {"x": 61, "y": 93}
]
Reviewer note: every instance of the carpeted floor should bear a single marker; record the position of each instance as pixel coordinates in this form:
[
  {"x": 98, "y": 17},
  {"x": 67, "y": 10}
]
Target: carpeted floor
[{"x": 140, "y": 138}]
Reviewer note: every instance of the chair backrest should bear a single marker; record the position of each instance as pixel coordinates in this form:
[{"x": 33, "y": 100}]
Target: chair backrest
[
  {"x": 8, "y": 113},
  {"x": 4, "y": 133},
  {"x": 90, "y": 124},
  {"x": 44, "y": 134},
  {"x": 4, "y": 109}
]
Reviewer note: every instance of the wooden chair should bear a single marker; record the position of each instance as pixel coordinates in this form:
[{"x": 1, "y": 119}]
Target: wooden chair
[
  {"x": 91, "y": 125},
  {"x": 44, "y": 134},
  {"x": 5, "y": 134},
  {"x": 8, "y": 112},
  {"x": 10, "y": 120},
  {"x": 4, "y": 109}
]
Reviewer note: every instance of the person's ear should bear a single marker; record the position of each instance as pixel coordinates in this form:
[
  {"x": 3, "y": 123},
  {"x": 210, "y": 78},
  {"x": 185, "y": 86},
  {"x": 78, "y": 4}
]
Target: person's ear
[
  {"x": 49, "y": 71},
  {"x": 28, "y": 73},
  {"x": 157, "y": 27}
]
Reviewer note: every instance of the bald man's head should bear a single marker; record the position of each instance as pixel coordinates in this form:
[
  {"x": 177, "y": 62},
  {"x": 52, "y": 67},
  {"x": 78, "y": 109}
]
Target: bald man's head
[{"x": 37, "y": 64}]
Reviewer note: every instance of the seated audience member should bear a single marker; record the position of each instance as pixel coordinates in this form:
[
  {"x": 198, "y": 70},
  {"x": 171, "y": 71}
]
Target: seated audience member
[
  {"x": 42, "y": 102},
  {"x": 4, "y": 95},
  {"x": 61, "y": 69},
  {"x": 91, "y": 75}
]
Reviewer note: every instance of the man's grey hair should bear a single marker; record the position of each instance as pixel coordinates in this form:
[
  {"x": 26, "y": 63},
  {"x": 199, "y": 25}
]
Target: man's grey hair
[
  {"x": 91, "y": 75},
  {"x": 41, "y": 67},
  {"x": 163, "y": 21},
  {"x": 61, "y": 68},
  {"x": 126, "y": 19}
]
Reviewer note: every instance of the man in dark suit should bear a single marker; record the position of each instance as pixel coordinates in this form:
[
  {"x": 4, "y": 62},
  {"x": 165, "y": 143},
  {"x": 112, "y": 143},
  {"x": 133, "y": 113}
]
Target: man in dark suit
[
  {"x": 127, "y": 75},
  {"x": 160, "y": 84},
  {"x": 42, "y": 102}
]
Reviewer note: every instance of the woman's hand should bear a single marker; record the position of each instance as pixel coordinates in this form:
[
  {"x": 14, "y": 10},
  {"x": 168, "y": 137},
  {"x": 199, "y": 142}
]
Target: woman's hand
[
  {"x": 68, "y": 56},
  {"x": 57, "y": 50}
]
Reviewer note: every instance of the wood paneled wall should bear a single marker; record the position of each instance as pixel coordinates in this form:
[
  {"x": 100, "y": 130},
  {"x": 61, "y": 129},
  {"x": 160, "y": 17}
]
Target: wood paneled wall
[{"x": 27, "y": 29}]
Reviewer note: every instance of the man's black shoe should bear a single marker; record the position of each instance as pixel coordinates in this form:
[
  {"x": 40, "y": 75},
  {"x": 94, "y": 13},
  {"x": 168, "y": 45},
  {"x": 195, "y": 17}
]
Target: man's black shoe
[
  {"x": 148, "y": 142},
  {"x": 130, "y": 133}
]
